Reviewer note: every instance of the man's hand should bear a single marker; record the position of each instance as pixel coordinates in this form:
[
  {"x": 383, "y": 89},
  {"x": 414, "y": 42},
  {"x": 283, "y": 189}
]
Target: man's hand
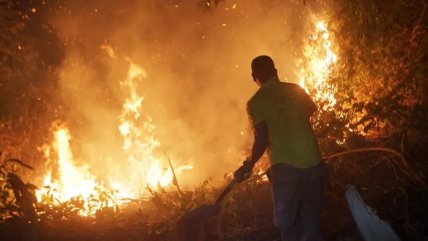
[{"x": 243, "y": 172}]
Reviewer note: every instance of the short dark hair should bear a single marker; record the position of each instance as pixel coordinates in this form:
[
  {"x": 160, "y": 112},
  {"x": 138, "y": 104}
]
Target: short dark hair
[{"x": 263, "y": 68}]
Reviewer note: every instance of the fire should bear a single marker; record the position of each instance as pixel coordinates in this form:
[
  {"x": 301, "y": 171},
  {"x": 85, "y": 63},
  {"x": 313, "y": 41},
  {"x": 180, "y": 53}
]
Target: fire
[
  {"x": 319, "y": 60},
  {"x": 72, "y": 180},
  {"x": 67, "y": 180},
  {"x": 138, "y": 132}
]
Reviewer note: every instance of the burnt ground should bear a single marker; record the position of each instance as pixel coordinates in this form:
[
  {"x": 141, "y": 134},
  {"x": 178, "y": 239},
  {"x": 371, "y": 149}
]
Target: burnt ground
[{"x": 246, "y": 213}]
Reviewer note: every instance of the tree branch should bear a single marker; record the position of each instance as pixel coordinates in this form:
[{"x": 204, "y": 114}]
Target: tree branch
[{"x": 405, "y": 166}]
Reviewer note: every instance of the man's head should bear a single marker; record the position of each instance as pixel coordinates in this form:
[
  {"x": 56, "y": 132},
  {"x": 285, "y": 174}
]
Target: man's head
[{"x": 263, "y": 69}]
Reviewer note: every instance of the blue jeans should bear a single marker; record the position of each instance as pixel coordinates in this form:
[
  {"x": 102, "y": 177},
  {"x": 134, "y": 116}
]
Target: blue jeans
[{"x": 298, "y": 199}]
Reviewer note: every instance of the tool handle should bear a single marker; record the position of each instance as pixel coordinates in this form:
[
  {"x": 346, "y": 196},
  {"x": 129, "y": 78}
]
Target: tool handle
[{"x": 226, "y": 190}]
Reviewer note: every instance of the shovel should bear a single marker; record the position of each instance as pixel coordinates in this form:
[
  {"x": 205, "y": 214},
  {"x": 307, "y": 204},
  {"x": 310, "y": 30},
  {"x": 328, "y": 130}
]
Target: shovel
[{"x": 205, "y": 212}]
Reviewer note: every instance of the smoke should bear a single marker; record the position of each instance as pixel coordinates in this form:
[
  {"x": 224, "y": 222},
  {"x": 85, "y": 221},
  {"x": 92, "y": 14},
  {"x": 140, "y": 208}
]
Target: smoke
[{"x": 198, "y": 75}]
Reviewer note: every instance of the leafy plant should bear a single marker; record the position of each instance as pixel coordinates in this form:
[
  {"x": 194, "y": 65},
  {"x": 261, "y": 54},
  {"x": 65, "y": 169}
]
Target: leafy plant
[{"x": 17, "y": 198}]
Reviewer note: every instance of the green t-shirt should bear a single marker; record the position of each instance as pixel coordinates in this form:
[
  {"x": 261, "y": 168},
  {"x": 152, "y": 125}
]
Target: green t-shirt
[{"x": 283, "y": 107}]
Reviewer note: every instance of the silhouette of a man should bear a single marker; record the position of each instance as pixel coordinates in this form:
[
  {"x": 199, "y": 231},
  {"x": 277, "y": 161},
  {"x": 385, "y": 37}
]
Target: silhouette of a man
[{"x": 279, "y": 113}]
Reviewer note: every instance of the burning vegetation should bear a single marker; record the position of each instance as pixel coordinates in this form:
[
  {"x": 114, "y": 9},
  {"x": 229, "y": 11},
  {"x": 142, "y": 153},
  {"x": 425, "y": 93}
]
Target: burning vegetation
[{"x": 117, "y": 118}]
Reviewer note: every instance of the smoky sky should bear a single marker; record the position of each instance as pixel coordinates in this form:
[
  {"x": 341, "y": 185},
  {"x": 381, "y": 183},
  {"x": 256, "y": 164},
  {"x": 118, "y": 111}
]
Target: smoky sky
[{"x": 198, "y": 74}]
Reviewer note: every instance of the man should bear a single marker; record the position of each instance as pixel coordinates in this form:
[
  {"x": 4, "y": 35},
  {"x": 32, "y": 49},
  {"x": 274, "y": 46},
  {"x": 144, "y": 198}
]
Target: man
[{"x": 279, "y": 113}]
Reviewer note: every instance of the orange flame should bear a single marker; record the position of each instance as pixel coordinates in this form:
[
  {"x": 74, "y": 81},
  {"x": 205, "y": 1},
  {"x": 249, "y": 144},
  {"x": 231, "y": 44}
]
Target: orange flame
[
  {"x": 73, "y": 180},
  {"x": 139, "y": 139},
  {"x": 139, "y": 143},
  {"x": 319, "y": 61}
]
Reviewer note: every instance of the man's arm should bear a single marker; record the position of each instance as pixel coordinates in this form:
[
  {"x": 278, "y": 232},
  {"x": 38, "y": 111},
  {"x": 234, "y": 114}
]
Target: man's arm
[{"x": 261, "y": 142}]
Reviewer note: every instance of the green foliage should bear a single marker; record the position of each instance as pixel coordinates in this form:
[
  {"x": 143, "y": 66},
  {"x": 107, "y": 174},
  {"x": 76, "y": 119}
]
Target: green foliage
[{"x": 17, "y": 198}]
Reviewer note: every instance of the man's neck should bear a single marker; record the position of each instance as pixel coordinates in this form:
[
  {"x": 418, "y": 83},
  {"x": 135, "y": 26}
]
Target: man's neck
[{"x": 273, "y": 79}]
